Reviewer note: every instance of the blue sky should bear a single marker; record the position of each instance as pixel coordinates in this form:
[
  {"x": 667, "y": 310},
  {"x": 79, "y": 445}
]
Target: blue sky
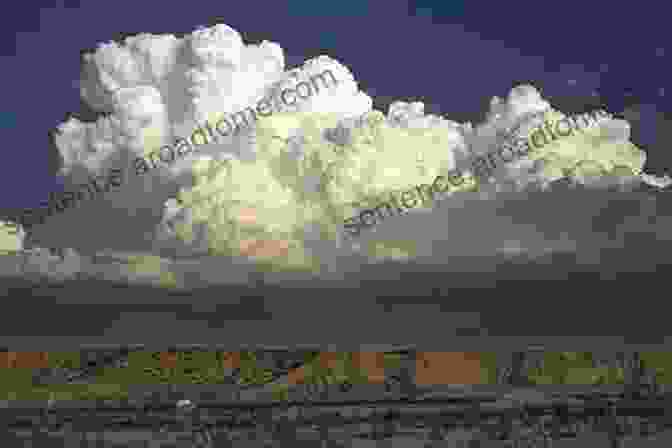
[{"x": 453, "y": 55}]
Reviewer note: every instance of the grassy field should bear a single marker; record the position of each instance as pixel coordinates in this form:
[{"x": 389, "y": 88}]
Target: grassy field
[{"x": 247, "y": 369}]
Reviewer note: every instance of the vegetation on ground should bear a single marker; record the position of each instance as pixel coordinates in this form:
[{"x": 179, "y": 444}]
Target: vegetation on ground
[{"x": 246, "y": 369}]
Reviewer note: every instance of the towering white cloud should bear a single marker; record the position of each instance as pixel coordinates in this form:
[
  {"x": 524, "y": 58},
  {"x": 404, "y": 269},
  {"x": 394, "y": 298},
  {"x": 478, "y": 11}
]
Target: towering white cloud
[{"x": 154, "y": 89}]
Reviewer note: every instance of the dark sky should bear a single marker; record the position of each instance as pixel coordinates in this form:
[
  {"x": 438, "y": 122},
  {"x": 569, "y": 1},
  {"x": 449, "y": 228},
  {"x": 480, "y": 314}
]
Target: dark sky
[{"x": 453, "y": 55}]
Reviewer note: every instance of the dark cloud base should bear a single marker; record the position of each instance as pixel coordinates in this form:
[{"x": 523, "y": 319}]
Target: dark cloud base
[{"x": 550, "y": 297}]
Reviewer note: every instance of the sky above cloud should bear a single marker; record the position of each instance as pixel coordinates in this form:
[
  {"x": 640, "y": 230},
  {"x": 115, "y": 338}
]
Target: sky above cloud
[{"x": 453, "y": 55}]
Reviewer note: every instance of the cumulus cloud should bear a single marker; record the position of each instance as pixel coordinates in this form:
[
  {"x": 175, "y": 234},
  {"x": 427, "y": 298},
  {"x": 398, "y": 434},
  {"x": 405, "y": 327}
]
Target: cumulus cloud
[{"x": 150, "y": 90}]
